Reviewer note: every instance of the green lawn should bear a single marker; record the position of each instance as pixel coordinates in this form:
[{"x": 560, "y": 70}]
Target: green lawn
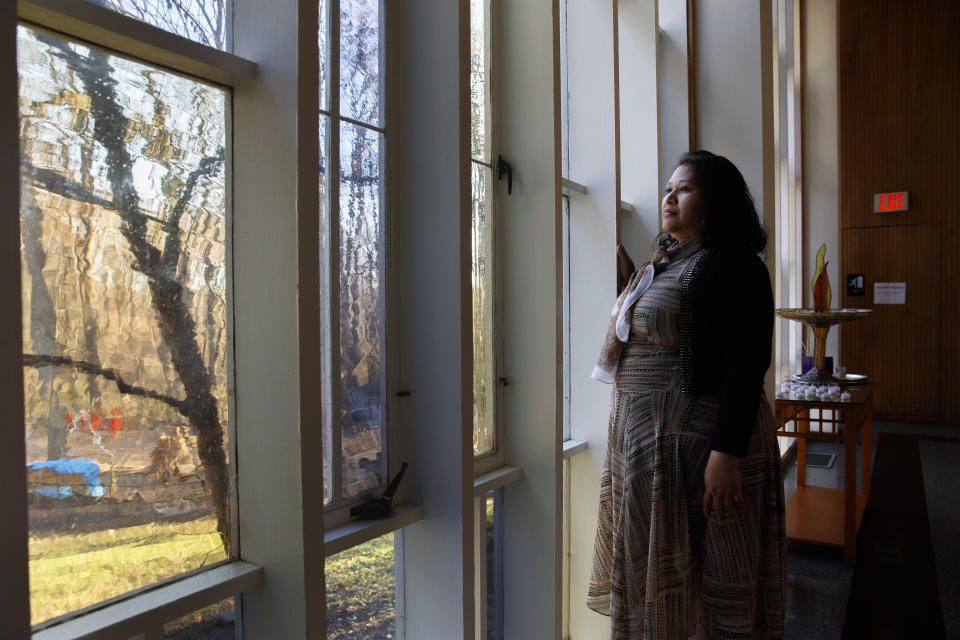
[
  {"x": 360, "y": 592},
  {"x": 69, "y": 572}
]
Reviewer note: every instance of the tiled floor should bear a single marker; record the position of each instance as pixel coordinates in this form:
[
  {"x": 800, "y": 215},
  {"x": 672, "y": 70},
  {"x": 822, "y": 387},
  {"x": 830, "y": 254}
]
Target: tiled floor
[{"x": 818, "y": 582}]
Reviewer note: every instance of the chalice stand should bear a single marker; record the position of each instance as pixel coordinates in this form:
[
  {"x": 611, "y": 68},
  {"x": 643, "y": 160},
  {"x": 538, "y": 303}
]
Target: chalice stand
[{"x": 820, "y": 322}]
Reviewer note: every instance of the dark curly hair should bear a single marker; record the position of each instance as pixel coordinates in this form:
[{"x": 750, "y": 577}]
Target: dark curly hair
[{"x": 730, "y": 217}]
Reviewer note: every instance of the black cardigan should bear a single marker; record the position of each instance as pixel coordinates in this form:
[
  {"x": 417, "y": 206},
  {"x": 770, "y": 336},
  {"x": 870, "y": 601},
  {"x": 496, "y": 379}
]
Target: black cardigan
[{"x": 726, "y": 331}]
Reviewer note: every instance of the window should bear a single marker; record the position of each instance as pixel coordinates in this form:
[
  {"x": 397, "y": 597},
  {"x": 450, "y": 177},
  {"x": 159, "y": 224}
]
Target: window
[
  {"x": 124, "y": 260},
  {"x": 203, "y": 21},
  {"x": 353, "y": 152},
  {"x": 483, "y": 247},
  {"x": 361, "y": 591}
]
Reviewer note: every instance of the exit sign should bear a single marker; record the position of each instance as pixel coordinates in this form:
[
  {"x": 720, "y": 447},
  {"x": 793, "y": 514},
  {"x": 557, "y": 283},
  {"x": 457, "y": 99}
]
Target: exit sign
[{"x": 887, "y": 202}]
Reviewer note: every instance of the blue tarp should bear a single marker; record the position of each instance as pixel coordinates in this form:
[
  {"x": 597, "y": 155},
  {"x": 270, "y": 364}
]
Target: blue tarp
[{"x": 85, "y": 467}]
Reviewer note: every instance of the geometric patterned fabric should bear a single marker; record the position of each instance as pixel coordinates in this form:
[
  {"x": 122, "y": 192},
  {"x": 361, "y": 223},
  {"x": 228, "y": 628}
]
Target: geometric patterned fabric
[{"x": 660, "y": 566}]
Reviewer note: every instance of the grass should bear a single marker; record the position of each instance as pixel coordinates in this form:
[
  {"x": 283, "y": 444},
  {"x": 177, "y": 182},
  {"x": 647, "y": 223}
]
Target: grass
[
  {"x": 360, "y": 592},
  {"x": 70, "y": 572}
]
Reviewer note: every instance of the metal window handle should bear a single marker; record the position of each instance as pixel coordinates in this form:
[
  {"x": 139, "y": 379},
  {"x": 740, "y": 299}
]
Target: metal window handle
[{"x": 504, "y": 167}]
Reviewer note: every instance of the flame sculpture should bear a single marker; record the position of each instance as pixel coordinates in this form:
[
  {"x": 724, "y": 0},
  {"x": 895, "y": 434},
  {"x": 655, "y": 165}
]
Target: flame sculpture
[{"x": 821, "y": 284}]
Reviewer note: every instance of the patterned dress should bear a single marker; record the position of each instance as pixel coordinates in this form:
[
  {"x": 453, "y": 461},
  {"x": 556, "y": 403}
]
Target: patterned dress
[{"x": 659, "y": 565}]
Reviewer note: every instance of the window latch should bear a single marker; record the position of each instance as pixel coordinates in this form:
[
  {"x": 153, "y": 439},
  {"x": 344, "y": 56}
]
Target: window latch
[{"x": 503, "y": 167}]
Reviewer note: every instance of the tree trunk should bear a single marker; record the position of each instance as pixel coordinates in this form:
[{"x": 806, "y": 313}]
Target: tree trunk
[{"x": 177, "y": 327}]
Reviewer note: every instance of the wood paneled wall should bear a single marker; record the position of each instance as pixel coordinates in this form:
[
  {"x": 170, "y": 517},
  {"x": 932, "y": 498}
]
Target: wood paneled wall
[{"x": 899, "y": 129}]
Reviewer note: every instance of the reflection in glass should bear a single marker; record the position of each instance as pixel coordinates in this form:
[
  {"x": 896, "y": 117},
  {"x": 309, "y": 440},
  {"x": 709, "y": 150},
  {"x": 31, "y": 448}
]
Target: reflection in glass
[
  {"x": 481, "y": 280},
  {"x": 361, "y": 591},
  {"x": 202, "y": 21},
  {"x": 360, "y": 41},
  {"x": 124, "y": 315},
  {"x": 480, "y": 95},
  {"x": 361, "y": 308},
  {"x": 216, "y": 622}
]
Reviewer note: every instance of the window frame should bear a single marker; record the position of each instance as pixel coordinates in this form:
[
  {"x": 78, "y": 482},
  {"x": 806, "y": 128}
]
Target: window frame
[
  {"x": 336, "y": 513},
  {"x": 148, "y": 608}
]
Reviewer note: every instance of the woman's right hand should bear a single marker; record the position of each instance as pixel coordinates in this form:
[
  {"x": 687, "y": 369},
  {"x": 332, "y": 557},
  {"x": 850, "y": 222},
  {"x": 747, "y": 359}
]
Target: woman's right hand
[{"x": 625, "y": 268}]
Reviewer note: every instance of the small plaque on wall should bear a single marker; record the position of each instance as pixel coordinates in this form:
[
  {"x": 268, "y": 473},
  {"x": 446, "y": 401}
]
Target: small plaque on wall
[
  {"x": 889, "y": 293},
  {"x": 855, "y": 286}
]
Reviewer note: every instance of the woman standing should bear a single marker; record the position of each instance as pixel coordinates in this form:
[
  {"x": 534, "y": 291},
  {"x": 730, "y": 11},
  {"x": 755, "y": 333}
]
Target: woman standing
[{"x": 691, "y": 538}]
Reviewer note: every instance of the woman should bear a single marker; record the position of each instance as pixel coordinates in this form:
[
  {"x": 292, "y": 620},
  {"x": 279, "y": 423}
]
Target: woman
[{"x": 691, "y": 539}]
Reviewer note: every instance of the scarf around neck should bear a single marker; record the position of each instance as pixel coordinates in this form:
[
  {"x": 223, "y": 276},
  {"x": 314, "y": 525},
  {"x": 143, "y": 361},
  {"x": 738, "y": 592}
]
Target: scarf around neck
[{"x": 618, "y": 331}]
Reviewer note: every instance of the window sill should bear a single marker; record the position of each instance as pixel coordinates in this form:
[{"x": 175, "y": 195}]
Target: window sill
[
  {"x": 573, "y": 447},
  {"x": 487, "y": 482},
  {"x": 357, "y": 532},
  {"x": 148, "y": 611}
]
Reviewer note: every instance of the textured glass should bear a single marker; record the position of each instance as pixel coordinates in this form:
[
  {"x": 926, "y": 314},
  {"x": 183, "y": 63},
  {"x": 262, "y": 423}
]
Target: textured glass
[
  {"x": 361, "y": 592},
  {"x": 481, "y": 281},
  {"x": 323, "y": 45},
  {"x": 324, "y": 182},
  {"x": 361, "y": 308},
  {"x": 480, "y": 95},
  {"x": 360, "y": 50},
  {"x": 203, "y": 21},
  {"x": 124, "y": 316},
  {"x": 216, "y": 622}
]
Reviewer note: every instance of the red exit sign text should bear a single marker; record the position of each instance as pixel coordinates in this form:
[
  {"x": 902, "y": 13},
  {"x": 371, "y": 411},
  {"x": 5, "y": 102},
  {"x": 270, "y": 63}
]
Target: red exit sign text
[{"x": 887, "y": 202}]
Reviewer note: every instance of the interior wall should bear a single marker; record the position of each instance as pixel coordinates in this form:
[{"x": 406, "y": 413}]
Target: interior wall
[
  {"x": 672, "y": 84},
  {"x": 431, "y": 186},
  {"x": 734, "y": 100},
  {"x": 593, "y": 234},
  {"x": 730, "y": 109},
  {"x": 530, "y": 235},
  {"x": 821, "y": 188},
  {"x": 899, "y": 96},
  {"x": 266, "y": 340},
  {"x": 640, "y": 184}
]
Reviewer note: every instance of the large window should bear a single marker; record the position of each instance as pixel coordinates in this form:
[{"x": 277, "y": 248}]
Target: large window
[
  {"x": 353, "y": 216},
  {"x": 483, "y": 248},
  {"x": 124, "y": 269}
]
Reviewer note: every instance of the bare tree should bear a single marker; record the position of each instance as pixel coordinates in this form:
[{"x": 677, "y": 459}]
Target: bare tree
[{"x": 162, "y": 267}]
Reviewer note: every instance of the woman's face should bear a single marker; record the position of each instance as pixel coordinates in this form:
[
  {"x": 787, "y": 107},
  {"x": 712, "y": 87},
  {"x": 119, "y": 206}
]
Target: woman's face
[{"x": 681, "y": 206}]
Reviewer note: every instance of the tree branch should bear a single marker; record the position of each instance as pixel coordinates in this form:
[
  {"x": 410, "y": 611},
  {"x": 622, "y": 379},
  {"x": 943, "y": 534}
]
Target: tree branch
[{"x": 34, "y": 360}]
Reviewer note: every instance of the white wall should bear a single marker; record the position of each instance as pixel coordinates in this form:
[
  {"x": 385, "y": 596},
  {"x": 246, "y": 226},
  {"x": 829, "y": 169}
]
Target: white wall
[
  {"x": 531, "y": 295},
  {"x": 672, "y": 84},
  {"x": 821, "y": 216},
  {"x": 433, "y": 208},
  {"x": 730, "y": 108},
  {"x": 639, "y": 133},
  {"x": 734, "y": 99},
  {"x": 593, "y": 238},
  {"x": 266, "y": 314}
]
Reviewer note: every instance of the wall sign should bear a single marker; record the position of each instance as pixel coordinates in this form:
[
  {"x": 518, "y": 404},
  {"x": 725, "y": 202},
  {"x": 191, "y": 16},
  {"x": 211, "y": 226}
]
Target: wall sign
[
  {"x": 855, "y": 286},
  {"x": 889, "y": 202},
  {"x": 889, "y": 293}
]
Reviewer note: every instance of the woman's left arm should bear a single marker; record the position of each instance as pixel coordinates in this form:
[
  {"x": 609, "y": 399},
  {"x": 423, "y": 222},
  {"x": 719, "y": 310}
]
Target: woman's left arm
[{"x": 747, "y": 332}]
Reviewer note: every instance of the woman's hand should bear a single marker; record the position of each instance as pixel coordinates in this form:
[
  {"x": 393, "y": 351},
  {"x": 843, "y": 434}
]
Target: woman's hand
[
  {"x": 722, "y": 483},
  {"x": 625, "y": 268}
]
